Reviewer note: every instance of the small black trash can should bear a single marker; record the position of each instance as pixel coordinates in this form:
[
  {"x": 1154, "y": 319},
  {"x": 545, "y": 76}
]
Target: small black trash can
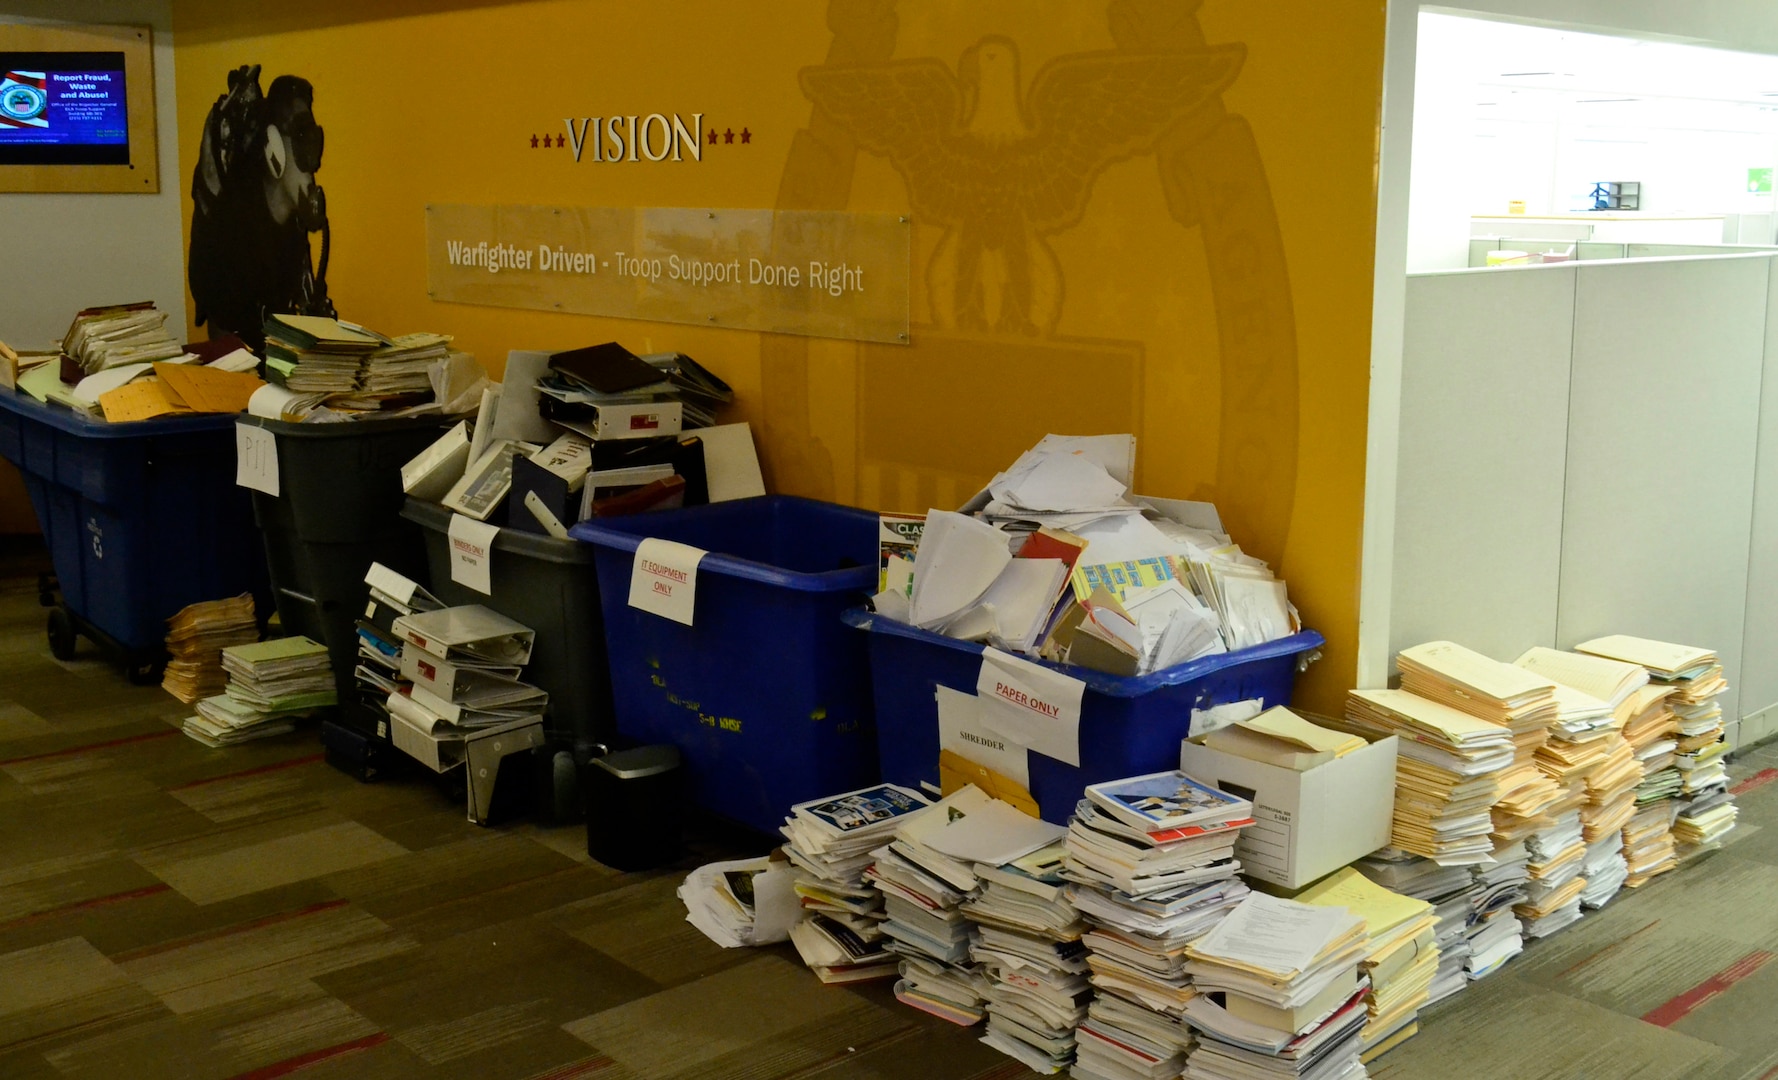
[{"x": 633, "y": 801}]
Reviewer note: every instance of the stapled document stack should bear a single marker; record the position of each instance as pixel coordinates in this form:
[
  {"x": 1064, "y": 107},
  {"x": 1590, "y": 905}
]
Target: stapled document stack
[
  {"x": 831, "y": 841},
  {"x": 1605, "y": 871},
  {"x": 1142, "y": 921},
  {"x": 271, "y": 683},
  {"x": 195, "y": 640},
  {"x": 1555, "y": 885},
  {"x": 1452, "y": 892},
  {"x": 1447, "y": 772},
  {"x": 1293, "y": 998},
  {"x": 1611, "y": 791},
  {"x": 1402, "y": 957},
  {"x": 1495, "y": 934}
]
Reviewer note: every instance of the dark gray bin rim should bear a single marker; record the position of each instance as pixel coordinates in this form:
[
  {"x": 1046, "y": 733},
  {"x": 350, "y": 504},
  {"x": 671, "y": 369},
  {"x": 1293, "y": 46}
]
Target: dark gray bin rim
[
  {"x": 345, "y": 429},
  {"x": 436, "y": 518}
]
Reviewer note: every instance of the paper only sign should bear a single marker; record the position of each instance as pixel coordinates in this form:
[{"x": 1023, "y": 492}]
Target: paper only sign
[
  {"x": 472, "y": 553},
  {"x": 664, "y": 579},
  {"x": 1031, "y": 704},
  {"x": 256, "y": 458}
]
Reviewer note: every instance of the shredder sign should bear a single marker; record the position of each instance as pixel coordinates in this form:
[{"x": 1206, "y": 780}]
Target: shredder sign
[{"x": 664, "y": 579}]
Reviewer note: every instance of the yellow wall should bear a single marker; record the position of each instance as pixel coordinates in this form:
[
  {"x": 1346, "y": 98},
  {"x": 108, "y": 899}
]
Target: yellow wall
[{"x": 1211, "y": 285}]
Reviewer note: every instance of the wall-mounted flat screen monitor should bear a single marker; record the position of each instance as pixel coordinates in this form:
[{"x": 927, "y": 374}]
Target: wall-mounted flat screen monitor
[{"x": 63, "y": 108}]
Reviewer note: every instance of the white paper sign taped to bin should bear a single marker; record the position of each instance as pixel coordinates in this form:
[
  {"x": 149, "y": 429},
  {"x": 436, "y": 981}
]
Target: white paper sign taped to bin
[
  {"x": 256, "y": 458},
  {"x": 961, "y": 731},
  {"x": 472, "y": 553},
  {"x": 1031, "y": 704},
  {"x": 664, "y": 579}
]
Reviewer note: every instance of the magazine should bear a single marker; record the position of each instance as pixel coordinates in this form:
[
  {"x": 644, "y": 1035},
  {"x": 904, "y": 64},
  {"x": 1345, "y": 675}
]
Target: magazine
[{"x": 1167, "y": 800}]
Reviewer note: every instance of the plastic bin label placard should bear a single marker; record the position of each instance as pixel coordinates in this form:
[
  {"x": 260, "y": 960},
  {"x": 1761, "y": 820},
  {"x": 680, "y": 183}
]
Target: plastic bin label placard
[
  {"x": 664, "y": 579},
  {"x": 822, "y": 273},
  {"x": 1031, "y": 704},
  {"x": 961, "y": 731},
  {"x": 256, "y": 458},
  {"x": 472, "y": 553}
]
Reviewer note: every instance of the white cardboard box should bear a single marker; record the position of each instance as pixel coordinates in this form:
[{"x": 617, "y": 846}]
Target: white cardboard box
[{"x": 1306, "y": 824}]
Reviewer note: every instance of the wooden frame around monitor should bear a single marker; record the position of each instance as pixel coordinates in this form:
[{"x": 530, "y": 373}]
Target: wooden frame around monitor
[{"x": 142, "y": 174}]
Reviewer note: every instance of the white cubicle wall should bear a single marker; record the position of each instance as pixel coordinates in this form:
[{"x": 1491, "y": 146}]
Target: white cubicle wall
[{"x": 1589, "y": 449}]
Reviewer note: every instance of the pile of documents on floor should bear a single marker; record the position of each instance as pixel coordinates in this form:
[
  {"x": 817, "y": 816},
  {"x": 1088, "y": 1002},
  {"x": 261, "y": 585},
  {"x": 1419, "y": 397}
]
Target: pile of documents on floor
[
  {"x": 1292, "y": 998},
  {"x": 271, "y": 684},
  {"x": 1056, "y": 559},
  {"x": 831, "y": 841},
  {"x": 1401, "y": 960},
  {"x": 1152, "y": 859},
  {"x": 377, "y": 674},
  {"x": 323, "y": 370},
  {"x": 744, "y": 902},
  {"x": 195, "y": 640},
  {"x": 120, "y": 364},
  {"x": 1451, "y": 890},
  {"x": 460, "y": 667},
  {"x": 595, "y": 432},
  {"x": 1702, "y": 808}
]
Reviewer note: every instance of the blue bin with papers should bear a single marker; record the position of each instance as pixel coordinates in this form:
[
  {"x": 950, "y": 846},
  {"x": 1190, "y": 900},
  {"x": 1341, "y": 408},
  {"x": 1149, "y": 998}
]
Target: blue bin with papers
[
  {"x": 140, "y": 519},
  {"x": 1128, "y": 726},
  {"x": 766, "y": 696}
]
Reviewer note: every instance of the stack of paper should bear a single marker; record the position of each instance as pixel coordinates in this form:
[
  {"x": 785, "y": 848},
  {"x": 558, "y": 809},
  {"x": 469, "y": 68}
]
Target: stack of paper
[
  {"x": 1293, "y": 998},
  {"x": 1649, "y": 847},
  {"x": 1451, "y": 890},
  {"x": 195, "y": 640},
  {"x": 831, "y": 840},
  {"x": 1142, "y": 924},
  {"x": 746, "y": 902},
  {"x": 1402, "y": 959},
  {"x": 1553, "y": 891},
  {"x": 1703, "y": 822},
  {"x": 1605, "y": 870},
  {"x": 315, "y": 354},
  {"x": 1611, "y": 791},
  {"x": 123, "y": 334},
  {"x": 1029, "y": 951},
  {"x": 270, "y": 684},
  {"x": 927, "y": 873},
  {"x": 1447, "y": 772},
  {"x": 1282, "y": 738},
  {"x": 1495, "y": 935},
  {"x": 400, "y": 369}
]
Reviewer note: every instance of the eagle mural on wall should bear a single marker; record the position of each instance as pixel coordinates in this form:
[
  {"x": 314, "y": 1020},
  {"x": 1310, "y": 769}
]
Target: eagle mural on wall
[{"x": 999, "y": 172}]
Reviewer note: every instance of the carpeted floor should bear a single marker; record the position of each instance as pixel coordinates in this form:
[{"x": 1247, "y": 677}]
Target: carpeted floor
[{"x": 170, "y": 911}]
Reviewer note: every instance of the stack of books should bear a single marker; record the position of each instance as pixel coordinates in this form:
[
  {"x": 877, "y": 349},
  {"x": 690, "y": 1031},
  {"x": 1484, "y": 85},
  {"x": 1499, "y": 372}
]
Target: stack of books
[
  {"x": 271, "y": 684},
  {"x": 1553, "y": 891},
  {"x": 1141, "y": 927},
  {"x": 1402, "y": 959},
  {"x": 1495, "y": 934},
  {"x": 831, "y": 841},
  {"x": 1522, "y": 702},
  {"x": 311, "y": 353},
  {"x": 1293, "y": 1000},
  {"x": 1451, "y": 890},
  {"x": 195, "y": 640},
  {"x": 1446, "y": 772}
]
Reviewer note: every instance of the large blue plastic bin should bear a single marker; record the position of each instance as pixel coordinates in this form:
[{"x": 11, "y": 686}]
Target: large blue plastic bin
[
  {"x": 141, "y": 519},
  {"x": 1128, "y": 726},
  {"x": 767, "y": 696}
]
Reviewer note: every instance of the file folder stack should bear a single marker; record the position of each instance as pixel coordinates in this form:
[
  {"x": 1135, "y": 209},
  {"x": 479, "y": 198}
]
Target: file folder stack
[
  {"x": 1611, "y": 791},
  {"x": 1553, "y": 891},
  {"x": 1293, "y": 997},
  {"x": 1649, "y": 847},
  {"x": 831, "y": 841},
  {"x": 1451, "y": 890},
  {"x": 271, "y": 684},
  {"x": 1447, "y": 772},
  {"x": 1495, "y": 934},
  {"x": 1653, "y": 734},
  {"x": 461, "y": 665},
  {"x": 195, "y": 640},
  {"x": 1522, "y": 702},
  {"x": 1175, "y": 880},
  {"x": 1605, "y": 870},
  {"x": 1402, "y": 959}
]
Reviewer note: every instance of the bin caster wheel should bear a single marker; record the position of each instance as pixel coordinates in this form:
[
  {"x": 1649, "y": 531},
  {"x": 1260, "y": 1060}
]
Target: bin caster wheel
[
  {"x": 46, "y": 599},
  {"x": 62, "y": 636},
  {"x": 145, "y": 674},
  {"x": 46, "y": 591}
]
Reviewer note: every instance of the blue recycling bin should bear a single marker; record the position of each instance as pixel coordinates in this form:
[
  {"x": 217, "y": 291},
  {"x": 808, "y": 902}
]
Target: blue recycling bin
[
  {"x": 1128, "y": 726},
  {"x": 141, "y": 519},
  {"x": 766, "y": 695}
]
